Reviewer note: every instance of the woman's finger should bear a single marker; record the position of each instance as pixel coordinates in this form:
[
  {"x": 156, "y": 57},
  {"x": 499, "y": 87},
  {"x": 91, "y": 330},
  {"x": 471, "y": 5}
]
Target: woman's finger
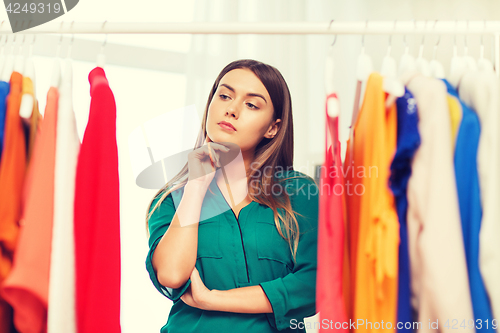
[
  {"x": 187, "y": 297},
  {"x": 211, "y": 154},
  {"x": 215, "y": 155},
  {"x": 216, "y": 149},
  {"x": 195, "y": 274}
]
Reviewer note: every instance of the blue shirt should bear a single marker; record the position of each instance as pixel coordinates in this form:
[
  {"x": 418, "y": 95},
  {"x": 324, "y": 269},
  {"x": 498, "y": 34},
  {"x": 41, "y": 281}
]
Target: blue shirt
[
  {"x": 408, "y": 141},
  {"x": 4, "y": 91},
  {"x": 469, "y": 199}
]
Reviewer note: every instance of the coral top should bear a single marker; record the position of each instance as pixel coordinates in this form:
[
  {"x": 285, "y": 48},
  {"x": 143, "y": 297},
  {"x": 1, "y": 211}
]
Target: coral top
[
  {"x": 27, "y": 287},
  {"x": 12, "y": 174}
]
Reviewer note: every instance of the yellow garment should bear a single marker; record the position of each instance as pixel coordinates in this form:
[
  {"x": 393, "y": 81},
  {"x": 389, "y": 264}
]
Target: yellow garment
[
  {"x": 35, "y": 115},
  {"x": 372, "y": 213},
  {"x": 455, "y": 117}
]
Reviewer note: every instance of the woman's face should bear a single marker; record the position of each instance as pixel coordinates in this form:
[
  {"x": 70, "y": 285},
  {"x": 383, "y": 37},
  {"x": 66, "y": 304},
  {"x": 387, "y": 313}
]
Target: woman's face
[{"x": 242, "y": 101}]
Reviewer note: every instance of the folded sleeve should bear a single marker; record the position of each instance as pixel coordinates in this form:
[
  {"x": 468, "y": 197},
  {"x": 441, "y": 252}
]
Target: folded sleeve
[
  {"x": 158, "y": 225},
  {"x": 294, "y": 295}
]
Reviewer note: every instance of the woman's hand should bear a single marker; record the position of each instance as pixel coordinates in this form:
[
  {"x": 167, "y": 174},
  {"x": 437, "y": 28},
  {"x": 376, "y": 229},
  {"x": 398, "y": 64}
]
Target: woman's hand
[
  {"x": 197, "y": 294},
  {"x": 203, "y": 161},
  {"x": 251, "y": 299}
]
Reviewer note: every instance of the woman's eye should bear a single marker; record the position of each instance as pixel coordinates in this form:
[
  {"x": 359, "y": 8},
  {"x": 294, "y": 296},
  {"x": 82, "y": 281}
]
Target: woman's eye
[{"x": 250, "y": 105}]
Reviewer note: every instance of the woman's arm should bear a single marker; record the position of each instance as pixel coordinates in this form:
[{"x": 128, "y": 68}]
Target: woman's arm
[
  {"x": 284, "y": 298},
  {"x": 175, "y": 255},
  {"x": 250, "y": 299}
]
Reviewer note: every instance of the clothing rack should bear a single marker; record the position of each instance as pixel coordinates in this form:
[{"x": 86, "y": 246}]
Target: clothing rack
[
  {"x": 396, "y": 27},
  {"x": 301, "y": 28}
]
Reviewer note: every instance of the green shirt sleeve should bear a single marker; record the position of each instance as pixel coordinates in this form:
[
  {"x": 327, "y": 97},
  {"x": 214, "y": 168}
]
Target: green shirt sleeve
[
  {"x": 294, "y": 295},
  {"x": 158, "y": 225}
]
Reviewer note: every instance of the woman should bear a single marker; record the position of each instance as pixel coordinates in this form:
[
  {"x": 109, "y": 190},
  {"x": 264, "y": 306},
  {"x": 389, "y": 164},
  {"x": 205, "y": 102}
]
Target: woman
[{"x": 248, "y": 266}]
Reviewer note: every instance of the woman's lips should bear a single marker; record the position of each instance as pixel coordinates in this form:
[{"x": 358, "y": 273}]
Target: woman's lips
[{"x": 226, "y": 127}]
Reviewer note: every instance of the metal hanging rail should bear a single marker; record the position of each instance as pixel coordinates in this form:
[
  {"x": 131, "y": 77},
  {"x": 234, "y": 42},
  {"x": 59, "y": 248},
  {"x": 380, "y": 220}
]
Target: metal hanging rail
[
  {"x": 300, "y": 28},
  {"x": 283, "y": 28}
]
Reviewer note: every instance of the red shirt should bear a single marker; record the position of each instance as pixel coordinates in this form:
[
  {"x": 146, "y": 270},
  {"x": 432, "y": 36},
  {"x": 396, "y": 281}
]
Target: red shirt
[{"x": 97, "y": 215}]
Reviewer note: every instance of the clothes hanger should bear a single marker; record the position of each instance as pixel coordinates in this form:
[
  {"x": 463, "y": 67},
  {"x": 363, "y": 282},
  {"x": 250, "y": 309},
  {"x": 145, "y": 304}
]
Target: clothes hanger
[
  {"x": 389, "y": 65},
  {"x": 19, "y": 58},
  {"x": 56, "y": 67},
  {"x": 421, "y": 63},
  {"x": 2, "y": 53},
  {"x": 469, "y": 61},
  {"x": 27, "y": 100},
  {"x": 407, "y": 61},
  {"x": 29, "y": 66},
  {"x": 70, "y": 47},
  {"x": 8, "y": 68},
  {"x": 363, "y": 71},
  {"x": 68, "y": 70},
  {"x": 458, "y": 66},
  {"x": 2, "y": 49},
  {"x": 332, "y": 106},
  {"x": 101, "y": 58},
  {"x": 484, "y": 64},
  {"x": 436, "y": 68},
  {"x": 365, "y": 65},
  {"x": 391, "y": 84}
]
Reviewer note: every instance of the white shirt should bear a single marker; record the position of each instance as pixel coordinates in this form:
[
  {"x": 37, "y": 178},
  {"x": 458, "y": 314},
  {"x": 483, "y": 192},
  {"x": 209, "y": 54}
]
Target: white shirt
[
  {"x": 62, "y": 309},
  {"x": 439, "y": 279}
]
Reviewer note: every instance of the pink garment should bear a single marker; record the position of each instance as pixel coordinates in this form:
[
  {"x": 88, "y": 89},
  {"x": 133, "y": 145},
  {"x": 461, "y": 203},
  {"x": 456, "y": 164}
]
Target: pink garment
[
  {"x": 26, "y": 288},
  {"x": 329, "y": 288}
]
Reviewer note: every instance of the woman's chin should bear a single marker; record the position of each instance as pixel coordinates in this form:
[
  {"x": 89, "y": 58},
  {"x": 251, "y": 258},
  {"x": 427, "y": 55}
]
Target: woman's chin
[{"x": 216, "y": 138}]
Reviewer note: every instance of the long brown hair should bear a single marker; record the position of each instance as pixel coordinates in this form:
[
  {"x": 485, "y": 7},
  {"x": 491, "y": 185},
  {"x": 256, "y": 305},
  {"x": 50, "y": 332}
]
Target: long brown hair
[{"x": 270, "y": 154}]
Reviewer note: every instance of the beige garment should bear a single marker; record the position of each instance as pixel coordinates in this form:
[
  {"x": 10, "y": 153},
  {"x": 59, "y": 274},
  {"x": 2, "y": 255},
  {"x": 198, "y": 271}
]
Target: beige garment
[
  {"x": 439, "y": 280},
  {"x": 481, "y": 90}
]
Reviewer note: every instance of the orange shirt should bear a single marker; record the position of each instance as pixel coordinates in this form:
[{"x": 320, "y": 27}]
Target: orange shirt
[
  {"x": 373, "y": 221},
  {"x": 27, "y": 286},
  {"x": 12, "y": 173}
]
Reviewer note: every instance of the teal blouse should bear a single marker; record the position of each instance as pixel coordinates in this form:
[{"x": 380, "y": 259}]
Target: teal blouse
[{"x": 246, "y": 251}]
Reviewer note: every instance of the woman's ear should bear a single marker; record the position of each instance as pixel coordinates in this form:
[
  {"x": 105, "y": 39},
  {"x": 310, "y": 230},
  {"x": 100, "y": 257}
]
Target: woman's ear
[{"x": 273, "y": 129}]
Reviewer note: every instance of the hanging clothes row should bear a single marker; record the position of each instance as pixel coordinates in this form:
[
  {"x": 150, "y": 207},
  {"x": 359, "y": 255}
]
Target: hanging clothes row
[
  {"x": 408, "y": 230},
  {"x": 59, "y": 206}
]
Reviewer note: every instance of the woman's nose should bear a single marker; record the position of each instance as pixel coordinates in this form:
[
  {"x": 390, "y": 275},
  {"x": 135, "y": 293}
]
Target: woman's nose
[{"x": 231, "y": 110}]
